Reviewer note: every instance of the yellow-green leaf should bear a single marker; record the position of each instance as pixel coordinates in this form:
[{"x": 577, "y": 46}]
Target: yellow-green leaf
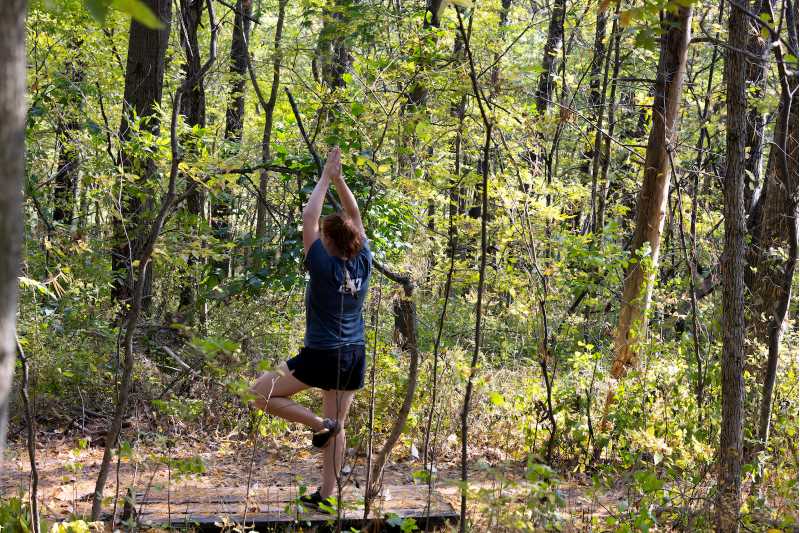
[{"x": 140, "y": 13}]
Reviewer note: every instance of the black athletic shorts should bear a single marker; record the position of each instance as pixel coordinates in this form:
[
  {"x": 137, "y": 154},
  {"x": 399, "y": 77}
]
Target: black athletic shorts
[{"x": 330, "y": 369}]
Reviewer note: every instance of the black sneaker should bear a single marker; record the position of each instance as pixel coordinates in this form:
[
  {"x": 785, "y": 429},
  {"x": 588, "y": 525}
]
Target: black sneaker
[
  {"x": 312, "y": 502},
  {"x": 329, "y": 429}
]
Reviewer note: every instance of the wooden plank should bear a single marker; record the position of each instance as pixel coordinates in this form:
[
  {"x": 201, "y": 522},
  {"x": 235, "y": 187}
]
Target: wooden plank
[{"x": 268, "y": 505}]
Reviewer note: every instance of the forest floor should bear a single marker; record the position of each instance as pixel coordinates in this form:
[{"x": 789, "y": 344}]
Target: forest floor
[{"x": 67, "y": 475}]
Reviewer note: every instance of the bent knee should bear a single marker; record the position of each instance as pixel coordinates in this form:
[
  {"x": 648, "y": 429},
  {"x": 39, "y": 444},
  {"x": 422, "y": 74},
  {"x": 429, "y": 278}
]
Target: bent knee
[{"x": 263, "y": 389}]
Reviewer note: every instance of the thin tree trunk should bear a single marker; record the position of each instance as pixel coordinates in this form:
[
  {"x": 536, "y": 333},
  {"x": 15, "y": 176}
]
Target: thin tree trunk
[
  {"x": 167, "y": 206},
  {"x": 30, "y": 421},
  {"x": 730, "y": 455},
  {"x": 704, "y": 137},
  {"x": 777, "y": 231},
  {"x": 65, "y": 182},
  {"x": 690, "y": 264},
  {"x": 144, "y": 81},
  {"x": 332, "y": 58},
  {"x": 269, "y": 109},
  {"x": 756, "y": 119},
  {"x": 637, "y": 286},
  {"x": 555, "y": 39},
  {"x": 505, "y": 7},
  {"x": 193, "y": 109},
  {"x": 605, "y": 156},
  {"x": 487, "y": 124},
  {"x": 597, "y": 99},
  {"x": 12, "y": 170},
  {"x": 234, "y": 114},
  {"x": 417, "y": 102},
  {"x": 405, "y": 312},
  {"x": 222, "y": 202}
]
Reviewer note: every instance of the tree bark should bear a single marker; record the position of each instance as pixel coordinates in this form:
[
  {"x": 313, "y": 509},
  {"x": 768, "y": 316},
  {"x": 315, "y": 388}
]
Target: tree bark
[
  {"x": 473, "y": 368},
  {"x": 776, "y": 248},
  {"x": 193, "y": 109},
  {"x": 651, "y": 206},
  {"x": 333, "y": 58},
  {"x": 604, "y": 157},
  {"x": 598, "y": 60},
  {"x": 30, "y": 421},
  {"x": 269, "y": 110},
  {"x": 756, "y": 120},
  {"x": 234, "y": 114},
  {"x": 555, "y": 39},
  {"x": 601, "y": 61},
  {"x": 730, "y": 455},
  {"x": 65, "y": 182},
  {"x": 222, "y": 201},
  {"x": 12, "y": 171},
  {"x": 144, "y": 81}
]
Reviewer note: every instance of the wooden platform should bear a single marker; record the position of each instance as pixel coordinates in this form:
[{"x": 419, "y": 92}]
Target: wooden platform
[{"x": 275, "y": 508}]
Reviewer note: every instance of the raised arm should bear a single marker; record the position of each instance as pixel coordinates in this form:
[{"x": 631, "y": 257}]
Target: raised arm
[
  {"x": 346, "y": 196},
  {"x": 313, "y": 208}
]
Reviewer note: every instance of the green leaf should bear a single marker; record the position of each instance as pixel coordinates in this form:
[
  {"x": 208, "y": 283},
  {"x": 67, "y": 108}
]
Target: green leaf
[
  {"x": 357, "y": 108},
  {"x": 422, "y": 476},
  {"x": 497, "y": 399},
  {"x": 139, "y": 11},
  {"x": 98, "y": 9}
]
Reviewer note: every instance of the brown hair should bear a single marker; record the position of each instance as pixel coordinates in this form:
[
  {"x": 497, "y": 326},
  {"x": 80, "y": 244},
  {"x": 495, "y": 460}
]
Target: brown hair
[{"x": 343, "y": 234}]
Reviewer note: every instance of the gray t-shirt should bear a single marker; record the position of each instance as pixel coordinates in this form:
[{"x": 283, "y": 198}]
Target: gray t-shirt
[{"x": 334, "y": 302}]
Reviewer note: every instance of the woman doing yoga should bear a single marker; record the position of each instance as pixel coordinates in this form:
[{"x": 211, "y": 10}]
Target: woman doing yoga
[{"x": 339, "y": 263}]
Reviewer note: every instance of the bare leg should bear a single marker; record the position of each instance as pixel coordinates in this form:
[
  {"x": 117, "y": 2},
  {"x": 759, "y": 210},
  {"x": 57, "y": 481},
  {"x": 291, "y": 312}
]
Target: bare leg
[
  {"x": 335, "y": 405},
  {"x": 273, "y": 390}
]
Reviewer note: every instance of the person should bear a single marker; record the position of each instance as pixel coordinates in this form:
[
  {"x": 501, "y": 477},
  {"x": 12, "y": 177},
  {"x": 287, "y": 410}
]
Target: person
[{"x": 339, "y": 264}]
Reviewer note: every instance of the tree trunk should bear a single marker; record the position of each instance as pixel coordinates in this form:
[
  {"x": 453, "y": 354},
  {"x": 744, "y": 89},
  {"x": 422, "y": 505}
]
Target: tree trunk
[
  {"x": 144, "y": 81},
  {"x": 756, "y": 119},
  {"x": 65, "y": 182},
  {"x": 652, "y": 201},
  {"x": 597, "y": 96},
  {"x": 777, "y": 247},
  {"x": 417, "y": 102},
  {"x": 488, "y": 125},
  {"x": 405, "y": 313},
  {"x": 604, "y": 157},
  {"x": 12, "y": 170},
  {"x": 234, "y": 114},
  {"x": 269, "y": 109},
  {"x": 150, "y": 236},
  {"x": 732, "y": 262},
  {"x": 555, "y": 39},
  {"x": 333, "y": 58},
  {"x": 505, "y": 7},
  {"x": 193, "y": 109},
  {"x": 222, "y": 202},
  {"x": 405, "y": 310},
  {"x": 30, "y": 421}
]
